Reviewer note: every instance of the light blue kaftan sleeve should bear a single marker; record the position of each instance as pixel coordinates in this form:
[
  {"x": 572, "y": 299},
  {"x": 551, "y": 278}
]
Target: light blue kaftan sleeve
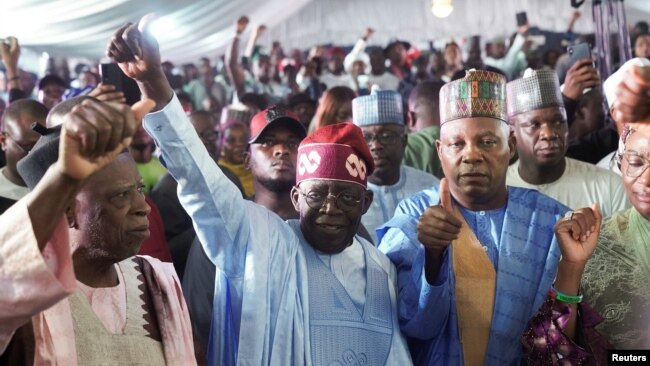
[
  {"x": 255, "y": 304},
  {"x": 219, "y": 214},
  {"x": 423, "y": 307}
]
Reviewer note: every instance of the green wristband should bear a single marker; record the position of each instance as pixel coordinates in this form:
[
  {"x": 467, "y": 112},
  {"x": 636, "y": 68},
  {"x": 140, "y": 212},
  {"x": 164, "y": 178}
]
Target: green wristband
[{"x": 569, "y": 299}]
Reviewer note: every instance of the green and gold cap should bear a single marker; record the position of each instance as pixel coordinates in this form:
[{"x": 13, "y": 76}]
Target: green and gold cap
[{"x": 479, "y": 94}]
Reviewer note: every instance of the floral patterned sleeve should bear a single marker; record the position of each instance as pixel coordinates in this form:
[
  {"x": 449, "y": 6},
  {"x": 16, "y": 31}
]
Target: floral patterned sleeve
[{"x": 544, "y": 341}]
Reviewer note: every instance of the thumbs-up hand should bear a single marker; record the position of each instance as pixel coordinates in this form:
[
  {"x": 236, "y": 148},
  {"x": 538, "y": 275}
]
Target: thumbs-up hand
[
  {"x": 135, "y": 49},
  {"x": 438, "y": 226}
]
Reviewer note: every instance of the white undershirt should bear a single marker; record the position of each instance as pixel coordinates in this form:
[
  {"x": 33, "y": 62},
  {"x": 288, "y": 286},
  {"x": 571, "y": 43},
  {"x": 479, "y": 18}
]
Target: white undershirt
[
  {"x": 349, "y": 267},
  {"x": 10, "y": 190}
]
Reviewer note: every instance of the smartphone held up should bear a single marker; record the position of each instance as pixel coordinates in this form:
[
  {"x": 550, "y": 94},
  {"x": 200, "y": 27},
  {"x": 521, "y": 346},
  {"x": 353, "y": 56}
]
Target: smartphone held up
[
  {"x": 578, "y": 52},
  {"x": 111, "y": 74}
]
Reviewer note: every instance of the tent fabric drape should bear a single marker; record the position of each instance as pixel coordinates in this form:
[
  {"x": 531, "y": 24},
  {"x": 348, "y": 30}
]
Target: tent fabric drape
[{"x": 196, "y": 28}]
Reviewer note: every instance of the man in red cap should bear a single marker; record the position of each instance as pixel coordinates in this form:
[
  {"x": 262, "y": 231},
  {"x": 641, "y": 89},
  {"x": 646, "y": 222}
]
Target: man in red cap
[
  {"x": 271, "y": 158},
  {"x": 307, "y": 291}
]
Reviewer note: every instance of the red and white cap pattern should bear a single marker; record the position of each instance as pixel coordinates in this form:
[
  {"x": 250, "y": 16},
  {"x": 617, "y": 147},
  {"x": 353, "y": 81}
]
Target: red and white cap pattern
[{"x": 336, "y": 152}]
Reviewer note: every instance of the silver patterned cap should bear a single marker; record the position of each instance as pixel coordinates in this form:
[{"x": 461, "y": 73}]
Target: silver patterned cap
[
  {"x": 380, "y": 107},
  {"x": 537, "y": 89}
]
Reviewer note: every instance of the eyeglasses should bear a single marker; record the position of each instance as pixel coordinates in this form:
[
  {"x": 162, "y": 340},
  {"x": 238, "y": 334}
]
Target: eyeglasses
[
  {"x": 636, "y": 164},
  {"x": 345, "y": 201},
  {"x": 384, "y": 138},
  {"x": 23, "y": 149}
]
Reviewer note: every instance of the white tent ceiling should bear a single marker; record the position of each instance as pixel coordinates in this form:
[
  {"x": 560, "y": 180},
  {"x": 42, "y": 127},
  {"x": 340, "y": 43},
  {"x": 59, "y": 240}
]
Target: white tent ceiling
[{"x": 195, "y": 28}]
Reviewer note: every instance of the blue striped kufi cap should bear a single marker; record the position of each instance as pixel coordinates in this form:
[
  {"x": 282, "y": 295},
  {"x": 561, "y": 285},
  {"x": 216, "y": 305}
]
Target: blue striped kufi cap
[{"x": 380, "y": 107}]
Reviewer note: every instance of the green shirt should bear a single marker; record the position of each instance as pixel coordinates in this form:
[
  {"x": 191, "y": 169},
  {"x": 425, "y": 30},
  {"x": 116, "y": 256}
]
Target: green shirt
[
  {"x": 421, "y": 151},
  {"x": 151, "y": 172}
]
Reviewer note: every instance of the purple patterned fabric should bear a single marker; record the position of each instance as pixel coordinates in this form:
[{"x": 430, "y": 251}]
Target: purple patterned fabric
[{"x": 544, "y": 341}]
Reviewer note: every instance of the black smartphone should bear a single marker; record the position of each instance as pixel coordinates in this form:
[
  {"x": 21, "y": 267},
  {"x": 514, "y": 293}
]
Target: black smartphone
[
  {"x": 475, "y": 42},
  {"x": 578, "y": 52},
  {"x": 522, "y": 19},
  {"x": 112, "y": 75}
]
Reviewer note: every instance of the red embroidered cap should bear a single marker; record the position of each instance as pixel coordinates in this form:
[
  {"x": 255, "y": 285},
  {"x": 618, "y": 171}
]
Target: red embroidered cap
[{"x": 335, "y": 152}]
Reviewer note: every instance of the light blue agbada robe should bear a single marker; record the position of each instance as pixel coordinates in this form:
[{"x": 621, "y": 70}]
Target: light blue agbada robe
[
  {"x": 386, "y": 198},
  {"x": 276, "y": 302},
  {"x": 520, "y": 242}
]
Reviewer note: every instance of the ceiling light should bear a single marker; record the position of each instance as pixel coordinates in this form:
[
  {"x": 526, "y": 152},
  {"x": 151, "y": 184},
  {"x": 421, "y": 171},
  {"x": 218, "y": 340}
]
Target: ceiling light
[{"x": 441, "y": 8}]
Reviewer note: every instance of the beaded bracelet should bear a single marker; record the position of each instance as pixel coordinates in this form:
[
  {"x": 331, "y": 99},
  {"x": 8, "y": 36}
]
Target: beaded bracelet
[
  {"x": 14, "y": 78},
  {"x": 569, "y": 299}
]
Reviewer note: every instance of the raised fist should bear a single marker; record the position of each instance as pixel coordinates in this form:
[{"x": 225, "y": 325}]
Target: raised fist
[
  {"x": 94, "y": 133},
  {"x": 10, "y": 53},
  {"x": 577, "y": 233},
  {"x": 135, "y": 50},
  {"x": 633, "y": 97},
  {"x": 241, "y": 25}
]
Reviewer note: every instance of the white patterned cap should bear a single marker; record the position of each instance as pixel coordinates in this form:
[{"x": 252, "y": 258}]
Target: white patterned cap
[
  {"x": 536, "y": 90},
  {"x": 380, "y": 107}
]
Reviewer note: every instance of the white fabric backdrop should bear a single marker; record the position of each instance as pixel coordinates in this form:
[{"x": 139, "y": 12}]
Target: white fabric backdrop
[
  {"x": 204, "y": 27},
  {"x": 342, "y": 21}
]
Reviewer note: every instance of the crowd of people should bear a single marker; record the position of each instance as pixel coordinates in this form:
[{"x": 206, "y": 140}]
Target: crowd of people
[{"x": 361, "y": 206}]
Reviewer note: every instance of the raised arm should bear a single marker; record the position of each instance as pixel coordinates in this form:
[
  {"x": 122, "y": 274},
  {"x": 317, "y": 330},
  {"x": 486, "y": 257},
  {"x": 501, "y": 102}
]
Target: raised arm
[
  {"x": 510, "y": 59},
  {"x": 581, "y": 75},
  {"x": 35, "y": 254},
  {"x": 359, "y": 47},
  {"x": 233, "y": 65},
  {"x": 554, "y": 329},
  {"x": 220, "y": 215},
  {"x": 423, "y": 305},
  {"x": 418, "y": 245},
  {"x": 509, "y": 62},
  {"x": 574, "y": 17},
  {"x": 437, "y": 227},
  {"x": 252, "y": 41},
  {"x": 577, "y": 235},
  {"x": 10, "y": 53}
]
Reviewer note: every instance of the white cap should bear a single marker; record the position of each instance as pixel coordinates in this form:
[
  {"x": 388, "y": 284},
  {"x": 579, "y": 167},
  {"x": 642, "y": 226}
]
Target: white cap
[{"x": 351, "y": 58}]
